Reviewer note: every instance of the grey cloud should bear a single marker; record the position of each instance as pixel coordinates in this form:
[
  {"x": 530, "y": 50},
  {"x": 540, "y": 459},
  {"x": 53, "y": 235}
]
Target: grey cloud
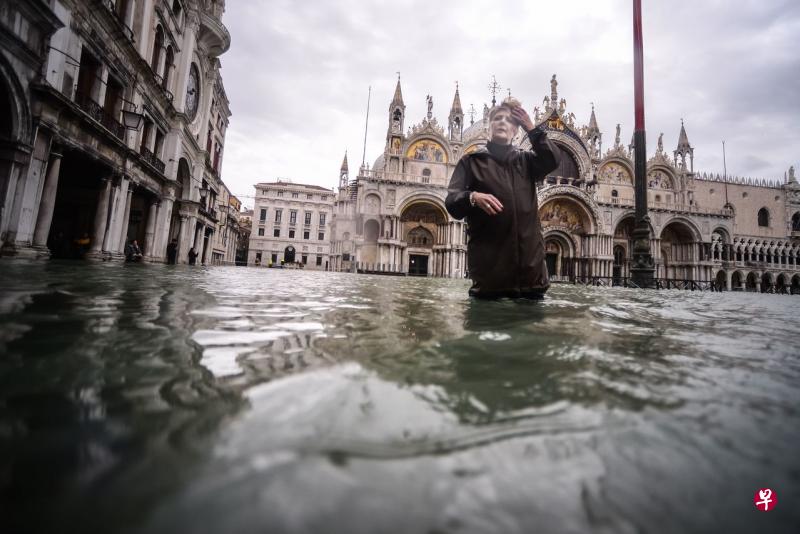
[{"x": 297, "y": 75}]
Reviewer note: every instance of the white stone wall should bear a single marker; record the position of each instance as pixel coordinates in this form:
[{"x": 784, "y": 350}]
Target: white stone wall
[{"x": 301, "y": 199}]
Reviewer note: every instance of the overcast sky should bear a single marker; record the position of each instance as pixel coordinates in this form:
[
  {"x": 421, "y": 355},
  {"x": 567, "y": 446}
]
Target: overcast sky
[{"x": 297, "y": 76}]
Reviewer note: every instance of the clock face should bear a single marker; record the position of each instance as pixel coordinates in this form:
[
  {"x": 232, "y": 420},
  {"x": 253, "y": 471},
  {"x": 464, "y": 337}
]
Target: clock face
[{"x": 192, "y": 93}]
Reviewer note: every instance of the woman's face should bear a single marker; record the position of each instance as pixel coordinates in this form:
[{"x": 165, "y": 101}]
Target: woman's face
[{"x": 502, "y": 127}]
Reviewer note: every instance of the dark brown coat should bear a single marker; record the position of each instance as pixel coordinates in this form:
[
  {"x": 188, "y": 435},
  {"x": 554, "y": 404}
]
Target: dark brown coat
[{"x": 505, "y": 252}]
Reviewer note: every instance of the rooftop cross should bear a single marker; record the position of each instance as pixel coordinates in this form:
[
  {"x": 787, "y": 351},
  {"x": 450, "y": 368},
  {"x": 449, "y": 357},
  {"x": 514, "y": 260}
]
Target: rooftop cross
[{"x": 494, "y": 88}]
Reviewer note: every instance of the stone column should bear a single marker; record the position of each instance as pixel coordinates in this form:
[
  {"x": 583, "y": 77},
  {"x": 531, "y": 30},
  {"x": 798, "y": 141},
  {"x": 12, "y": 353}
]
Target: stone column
[
  {"x": 182, "y": 250},
  {"x": 113, "y": 203},
  {"x": 126, "y": 217},
  {"x": 150, "y": 229},
  {"x": 48, "y": 202},
  {"x": 101, "y": 216},
  {"x": 163, "y": 224},
  {"x": 198, "y": 237}
]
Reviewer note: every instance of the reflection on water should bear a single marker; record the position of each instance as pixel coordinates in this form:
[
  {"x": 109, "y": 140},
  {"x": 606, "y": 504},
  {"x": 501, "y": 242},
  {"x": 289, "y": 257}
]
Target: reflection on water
[{"x": 146, "y": 398}]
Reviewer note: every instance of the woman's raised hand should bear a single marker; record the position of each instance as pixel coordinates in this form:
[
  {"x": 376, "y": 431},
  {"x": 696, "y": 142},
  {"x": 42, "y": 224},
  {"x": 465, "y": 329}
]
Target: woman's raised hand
[{"x": 522, "y": 118}]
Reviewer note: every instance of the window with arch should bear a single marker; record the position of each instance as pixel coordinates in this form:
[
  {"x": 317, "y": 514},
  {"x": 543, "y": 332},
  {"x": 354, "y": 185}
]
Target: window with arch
[
  {"x": 614, "y": 193},
  {"x": 796, "y": 222},
  {"x": 568, "y": 167},
  {"x": 158, "y": 44},
  {"x": 658, "y": 198},
  {"x": 396, "y": 116},
  {"x": 763, "y": 217},
  {"x": 426, "y": 176},
  {"x": 168, "y": 61}
]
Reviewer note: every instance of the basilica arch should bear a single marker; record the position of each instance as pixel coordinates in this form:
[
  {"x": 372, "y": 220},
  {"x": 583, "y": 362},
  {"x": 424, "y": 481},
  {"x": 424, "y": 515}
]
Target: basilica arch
[
  {"x": 560, "y": 253},
  {"x": 568, "y": 142},
  {"x": 623, "y": 244},
  {"x": 423, "y": 233},
  {"x": 570, "y": 224},
  {"x": 15, "y": 139},
  {"x": 677, "y": 253}
]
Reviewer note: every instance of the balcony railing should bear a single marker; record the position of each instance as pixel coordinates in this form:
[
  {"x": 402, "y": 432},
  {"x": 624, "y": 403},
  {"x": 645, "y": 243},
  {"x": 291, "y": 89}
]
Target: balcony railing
[
  {"x": 114, "y": 126},
  {"x": 398, "y": 177},
  {"x": 110, "y": 5},
  {"x": 208, "y": 212},
  {"x": 96, "y": 111},
  {"x": 92, "y": 108},
  {"x": 151, "y": 158},
  {"x": 629, "y": 203}
]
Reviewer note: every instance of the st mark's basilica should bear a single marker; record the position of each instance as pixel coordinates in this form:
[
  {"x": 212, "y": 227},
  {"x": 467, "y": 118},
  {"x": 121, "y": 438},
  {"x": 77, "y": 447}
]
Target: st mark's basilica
[{"x": 737, "y": 233}]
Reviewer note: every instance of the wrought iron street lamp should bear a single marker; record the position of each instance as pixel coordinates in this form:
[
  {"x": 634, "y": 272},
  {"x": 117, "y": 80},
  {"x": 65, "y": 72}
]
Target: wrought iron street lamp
[{"x": 132, "y": 120}]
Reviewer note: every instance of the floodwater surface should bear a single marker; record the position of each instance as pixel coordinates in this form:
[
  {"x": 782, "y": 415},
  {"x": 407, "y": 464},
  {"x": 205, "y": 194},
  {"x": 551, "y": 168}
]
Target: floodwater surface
[{"x": 148, "y": 398}]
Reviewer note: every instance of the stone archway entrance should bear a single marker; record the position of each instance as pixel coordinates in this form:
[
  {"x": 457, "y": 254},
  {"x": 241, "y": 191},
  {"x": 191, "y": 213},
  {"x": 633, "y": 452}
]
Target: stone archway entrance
[
  {"x": 780, "y": 284},
  {"x": 751, "y": 283},
  {"x": 288, "y": 254},
  {"x": 737, "y": 281},
  {"x": 423, "y": 225},
  {"x": 766, "y": 283},
  {"x": 721, "y": 281},
  {"x": 619, "y": 264},
  {"x": 418, "y": 263},
  {"x": 559, "y": 254},
  {"x": 678, "y": 253},
  {"x": 565, "y": 220},
  {"x": 84, "y": 188}
]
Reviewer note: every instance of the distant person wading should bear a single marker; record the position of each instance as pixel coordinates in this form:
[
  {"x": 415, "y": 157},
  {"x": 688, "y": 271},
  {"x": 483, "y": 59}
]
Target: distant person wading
[{"x": 495, "y": 189}]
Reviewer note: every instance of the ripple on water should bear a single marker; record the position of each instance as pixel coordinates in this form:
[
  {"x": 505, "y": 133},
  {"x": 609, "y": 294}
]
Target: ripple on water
[{"x": 292, "y": 401}]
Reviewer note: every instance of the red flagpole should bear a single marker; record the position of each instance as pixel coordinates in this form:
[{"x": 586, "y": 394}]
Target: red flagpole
[
  {"x": 642, "y": 265},
  {"x": 638, "y": 65}
]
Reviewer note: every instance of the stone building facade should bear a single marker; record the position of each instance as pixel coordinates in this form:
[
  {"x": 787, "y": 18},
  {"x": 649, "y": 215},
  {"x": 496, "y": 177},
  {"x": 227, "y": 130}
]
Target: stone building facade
[
  {"x": 736, "y": 233},
  {"x": 116, "y": 126},
  {"x": 291, "y": 224}
]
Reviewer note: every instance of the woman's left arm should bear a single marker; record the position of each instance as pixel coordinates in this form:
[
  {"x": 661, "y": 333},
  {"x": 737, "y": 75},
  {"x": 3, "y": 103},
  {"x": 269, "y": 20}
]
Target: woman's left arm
[{"x": 545, "y": 156}]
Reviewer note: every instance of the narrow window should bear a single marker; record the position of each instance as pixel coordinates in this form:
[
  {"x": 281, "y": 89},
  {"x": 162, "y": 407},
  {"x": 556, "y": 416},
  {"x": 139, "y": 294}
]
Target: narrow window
[{"x": 763, "y": 217}]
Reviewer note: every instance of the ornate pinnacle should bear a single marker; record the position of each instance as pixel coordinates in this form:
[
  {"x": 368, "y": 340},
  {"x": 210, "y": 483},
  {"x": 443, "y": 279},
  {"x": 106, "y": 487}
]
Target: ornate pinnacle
[{"x": 494, "y": 88}]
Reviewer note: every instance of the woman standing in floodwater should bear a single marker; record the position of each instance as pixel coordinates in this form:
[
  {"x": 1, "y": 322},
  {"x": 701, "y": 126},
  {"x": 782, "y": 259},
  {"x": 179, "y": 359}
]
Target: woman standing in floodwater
[{"x": 495, "y": 189}]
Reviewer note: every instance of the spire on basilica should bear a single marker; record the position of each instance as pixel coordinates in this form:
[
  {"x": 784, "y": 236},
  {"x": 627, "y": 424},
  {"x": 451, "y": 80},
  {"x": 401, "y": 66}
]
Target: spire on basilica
[
  {"x": 683, "y": 139},
  {"x": 344, "y": 173},
  {"x": 684, "y": 149},
  {"x": 593, "y": 122},
  {"x": 593, "y": 135},
  {"x": 456, "y": 118},
  {"x": 397, "y": 112},
  {"x": 398, "y": 95}
]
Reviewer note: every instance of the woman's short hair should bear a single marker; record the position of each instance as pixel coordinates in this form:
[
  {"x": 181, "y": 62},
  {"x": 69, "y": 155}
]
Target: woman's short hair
[{"x": 508, "y": 104}]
